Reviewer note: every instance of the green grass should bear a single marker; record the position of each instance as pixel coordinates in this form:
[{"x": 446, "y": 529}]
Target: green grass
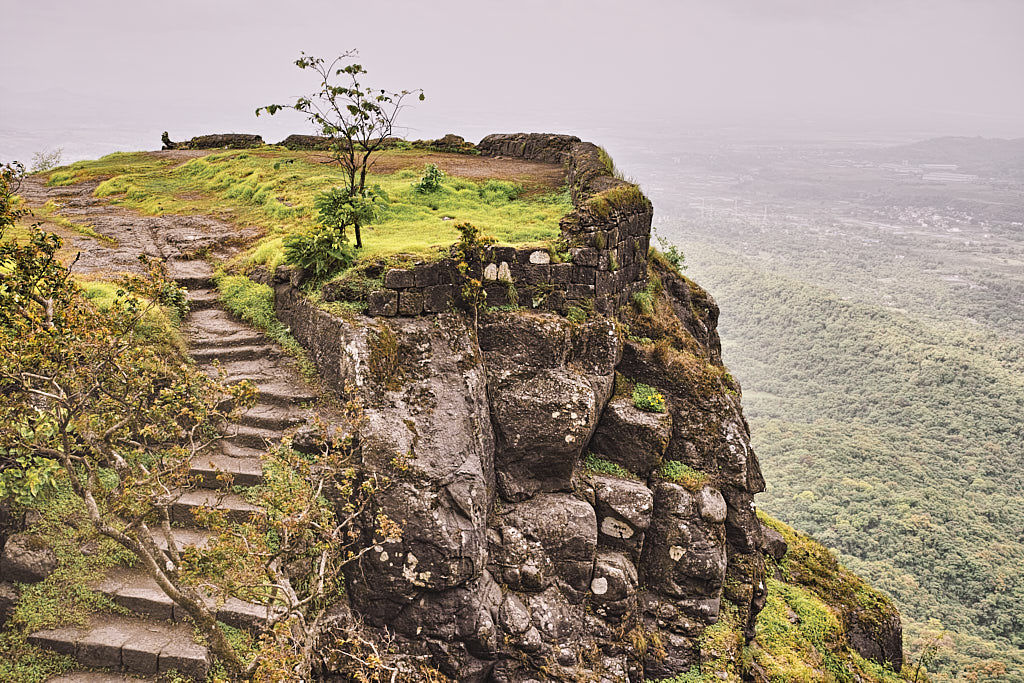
[
  {"x": 274, "y": 190},
  {"x": 254, "y": 303},
  {"x": 105, "y": 167},
  {"x": 648, "y": 399},
  {"x": 682, "y": 474},
  {"x": 598, "y": 465},
  {"x": 158, "y": 326}
]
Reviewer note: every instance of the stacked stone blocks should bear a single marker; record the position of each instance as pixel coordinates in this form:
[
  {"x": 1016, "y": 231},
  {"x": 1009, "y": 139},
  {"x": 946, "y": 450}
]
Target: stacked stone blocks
[{"x": 604, "y": 265}]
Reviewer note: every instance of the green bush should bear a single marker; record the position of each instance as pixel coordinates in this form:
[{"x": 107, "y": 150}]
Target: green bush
[
  {"x": 648, "y": 398},
  {"x": 320, "y": 249},
  {"x": 431, "y": 180}
]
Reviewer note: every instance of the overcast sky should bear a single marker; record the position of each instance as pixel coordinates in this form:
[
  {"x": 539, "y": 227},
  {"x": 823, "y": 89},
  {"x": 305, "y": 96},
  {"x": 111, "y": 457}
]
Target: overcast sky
[{"x": 88, "y": 74}]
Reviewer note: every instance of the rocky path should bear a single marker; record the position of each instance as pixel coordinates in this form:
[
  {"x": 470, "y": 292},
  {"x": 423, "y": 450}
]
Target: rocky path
[{"x": 155, "y": 635}]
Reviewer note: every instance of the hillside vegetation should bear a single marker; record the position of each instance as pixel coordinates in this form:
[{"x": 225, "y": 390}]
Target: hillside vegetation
[{"x": 894, "y": 439}]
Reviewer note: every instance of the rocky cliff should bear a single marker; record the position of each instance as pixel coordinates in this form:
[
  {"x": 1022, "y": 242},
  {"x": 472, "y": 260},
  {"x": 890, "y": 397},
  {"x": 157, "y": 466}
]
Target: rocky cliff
[{"x": 555, "y": 523}]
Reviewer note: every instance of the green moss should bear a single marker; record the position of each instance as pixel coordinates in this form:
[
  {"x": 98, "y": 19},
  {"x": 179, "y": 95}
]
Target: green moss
[
  {"x": 680, "y": 473},
  {"x": 383, "y": 358},
  {"x": 598, "y": 465},
  {"x": 627, "y": 195}
]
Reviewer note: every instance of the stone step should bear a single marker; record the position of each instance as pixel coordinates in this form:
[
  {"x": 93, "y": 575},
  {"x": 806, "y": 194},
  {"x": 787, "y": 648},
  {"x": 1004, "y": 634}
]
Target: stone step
[
  {"x": 138, "y": 592},
  {"x": 191, "y": 274},
  {"x": 238, "y": 508},
  {"x": 270, "y": 416},
  {"x": 281, "y": 393},
  {"x": 129, "y": 644},
  {"x": 216, "y": 322},
  {"x": 185, "y": 536},
  {"x": 243, "y": 471},
  {"x": 251, "y": 437},
  {"x": 203, "y": 299},
  {"x": 240, "y": 337},
  {"x": 97, "y": 677},
  {"x": 230, "y": 352}
]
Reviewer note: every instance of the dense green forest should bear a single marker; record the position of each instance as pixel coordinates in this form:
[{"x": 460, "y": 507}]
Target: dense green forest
[{"x": 893, "y": 438}]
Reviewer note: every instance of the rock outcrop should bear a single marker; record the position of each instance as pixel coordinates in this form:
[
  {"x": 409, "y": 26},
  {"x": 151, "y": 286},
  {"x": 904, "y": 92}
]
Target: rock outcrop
[{"x": 519, "y": 558}]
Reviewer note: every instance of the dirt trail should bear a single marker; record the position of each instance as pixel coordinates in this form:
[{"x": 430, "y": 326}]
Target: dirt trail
[{"x": 167, "y": 237}]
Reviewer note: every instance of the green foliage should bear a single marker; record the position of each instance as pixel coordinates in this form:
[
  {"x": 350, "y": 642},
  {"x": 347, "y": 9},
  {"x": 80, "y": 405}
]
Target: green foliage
[
  {"x": 680, "y": 473},
  {"x": 598, "y": 465},
  {"x": 575, "y": 314},
  {"x": 357, "y": 118},
  {"x": 467, "y": 254},
  {"x": 648, "y": 398},
  {"x": 672, "y": 255},
  {"x": 320, "y": 250},
  {"x": 431, "y": 180}
]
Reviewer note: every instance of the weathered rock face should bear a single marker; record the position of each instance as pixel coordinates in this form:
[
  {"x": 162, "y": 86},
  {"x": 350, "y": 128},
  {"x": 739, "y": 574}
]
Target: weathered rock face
[
  {"x": 547, "y": 380},
  {"x": 514, "y": 562},
  {"x": 26, "y": 560},
  {"x": 632, "y": 438}
]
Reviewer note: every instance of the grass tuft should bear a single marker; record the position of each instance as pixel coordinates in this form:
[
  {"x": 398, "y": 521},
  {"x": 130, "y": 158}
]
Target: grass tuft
[{"x": 680, "y": 473}]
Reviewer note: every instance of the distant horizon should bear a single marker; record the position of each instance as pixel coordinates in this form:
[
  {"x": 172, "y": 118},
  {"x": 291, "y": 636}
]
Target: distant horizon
[{"x": 104, "y": 76}]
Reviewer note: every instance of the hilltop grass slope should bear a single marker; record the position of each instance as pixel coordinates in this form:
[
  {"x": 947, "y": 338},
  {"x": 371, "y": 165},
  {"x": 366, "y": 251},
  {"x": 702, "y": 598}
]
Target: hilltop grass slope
[{"x": 273, "y": 189}]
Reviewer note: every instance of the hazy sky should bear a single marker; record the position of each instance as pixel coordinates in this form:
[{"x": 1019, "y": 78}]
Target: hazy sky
[{"x": 88, "y": 73}]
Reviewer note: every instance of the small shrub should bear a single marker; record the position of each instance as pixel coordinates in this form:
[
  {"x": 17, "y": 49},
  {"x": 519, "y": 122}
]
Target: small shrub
[
  {"x": 46, "y": 160},
  {"x": 680, "y": 473},
  {"x": 575, "y": 314},
  {"x": 644, "y": 303},
  {"x": 321, "y": 249},
  {"x": 673, "y": 255},
  {"x": 598, "y": 465},
  {"x": 431, "y": 180},
  {"x": 648, "y": 399},
  {"x": 497, "y": 192}
]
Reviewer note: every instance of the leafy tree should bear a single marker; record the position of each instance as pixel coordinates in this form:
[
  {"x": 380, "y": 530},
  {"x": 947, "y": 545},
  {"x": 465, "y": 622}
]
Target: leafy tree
[{"x": 357, "y": 118}]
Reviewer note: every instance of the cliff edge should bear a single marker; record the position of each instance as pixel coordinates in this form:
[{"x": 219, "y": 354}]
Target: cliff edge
[{"x": 576, "y": 494}]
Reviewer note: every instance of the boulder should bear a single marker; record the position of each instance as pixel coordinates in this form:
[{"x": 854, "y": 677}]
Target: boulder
[
  {"x": 684, "y": 553},
  {"x": 876, "y": 635},
  {"x": 632, "y": 438},
  {"x": 26, "y": 560},
  {"x": 436, "y": 419},
  {"x": 775, "y": 545},
  {"x": 613, "y": 586},
  {"x": 547, "y": 381},
  {"x": 542, "y": 422},
  {"x": 548, "y": 540},
  {"x": 624, "y": 509}
]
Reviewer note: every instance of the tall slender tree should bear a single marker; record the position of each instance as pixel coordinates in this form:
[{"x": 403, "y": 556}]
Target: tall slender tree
[{"x": 358, "y": 120}]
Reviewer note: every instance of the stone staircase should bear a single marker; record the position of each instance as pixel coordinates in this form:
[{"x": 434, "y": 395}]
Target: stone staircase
[{"x": 157, "y": 636}]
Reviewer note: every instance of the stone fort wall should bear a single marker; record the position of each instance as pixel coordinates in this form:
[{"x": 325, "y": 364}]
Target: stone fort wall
[{"x": 601, "y": 259}]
